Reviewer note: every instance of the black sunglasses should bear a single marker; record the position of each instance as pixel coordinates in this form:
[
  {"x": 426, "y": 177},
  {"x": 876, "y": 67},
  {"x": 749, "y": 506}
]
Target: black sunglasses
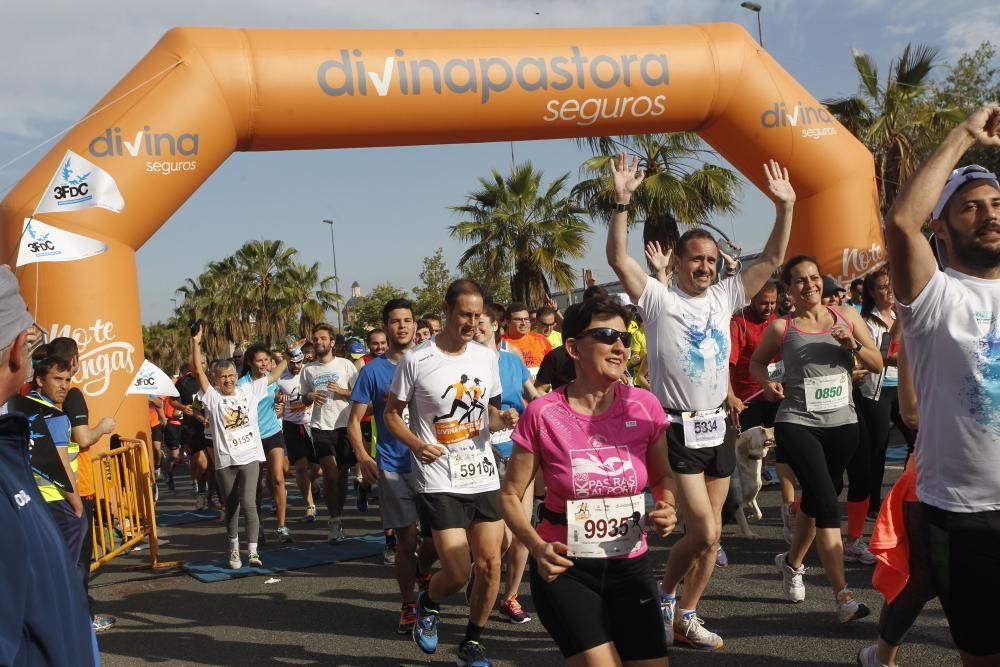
[{"x": 607, "y": 335}]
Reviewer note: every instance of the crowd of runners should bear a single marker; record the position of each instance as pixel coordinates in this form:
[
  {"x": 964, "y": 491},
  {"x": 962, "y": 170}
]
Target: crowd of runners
[{"x": 508, "y": 444}]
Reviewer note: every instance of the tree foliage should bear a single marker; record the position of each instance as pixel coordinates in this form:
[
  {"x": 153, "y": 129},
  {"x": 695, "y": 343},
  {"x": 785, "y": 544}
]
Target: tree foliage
[
  {"x": 515, "y": 221},
  {"x": 367, "y": 310},
  {"x": 974, "y": 80},
  {"x": 435, "y": 276}
]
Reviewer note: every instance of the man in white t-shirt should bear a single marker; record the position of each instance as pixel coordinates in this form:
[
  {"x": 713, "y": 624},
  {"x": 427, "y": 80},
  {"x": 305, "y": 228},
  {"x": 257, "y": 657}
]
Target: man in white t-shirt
[
  {"x": 688, "y": 343},
  {"x": 445, "y": 382},
  {"x": 232, "y": 414},
  {"x": 951, "y": 329},
  {"x": 295, "y": 420},
  {"x": 325, "y": 384}
]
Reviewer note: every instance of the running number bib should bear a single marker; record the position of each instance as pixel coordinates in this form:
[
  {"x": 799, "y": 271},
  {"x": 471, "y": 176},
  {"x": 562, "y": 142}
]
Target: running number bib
[
  {"x": 471, "y": 467},
  {"x": 776, "y": 371},
  {"x": 604, "y": 527},
  {"x": 827, "y": 392},
  {"x": 704, "y": 429}
]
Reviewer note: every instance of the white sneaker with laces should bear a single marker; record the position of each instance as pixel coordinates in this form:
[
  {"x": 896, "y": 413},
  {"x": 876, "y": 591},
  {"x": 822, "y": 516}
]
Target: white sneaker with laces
[
  {"x": 234, "y": 559},
  {"x": 868, "y": 657},
  {"x": 336, "y": 531},
  {"x": 795, "y": 588},
  {"x": 849, "y": 609},
  {"x": 858, "y": 553},
  {"x": 691, "y": 630}
]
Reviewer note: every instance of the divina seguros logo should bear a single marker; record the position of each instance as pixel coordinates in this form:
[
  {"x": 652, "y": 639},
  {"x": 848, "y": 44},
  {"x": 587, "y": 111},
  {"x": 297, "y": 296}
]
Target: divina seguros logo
[
  {"x": 149, "y": 144},
  {"x": 351, "y": 74},
  {"x": 801, "y": 115}
]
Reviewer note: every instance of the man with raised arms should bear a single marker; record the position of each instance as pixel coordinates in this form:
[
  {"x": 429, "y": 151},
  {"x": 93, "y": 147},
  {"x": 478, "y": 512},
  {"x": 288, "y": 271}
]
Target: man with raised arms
[
  {"x": 688, "y": 338},
  {"x": 456, "y": 473},
  {"x": 951, "y": 323}
]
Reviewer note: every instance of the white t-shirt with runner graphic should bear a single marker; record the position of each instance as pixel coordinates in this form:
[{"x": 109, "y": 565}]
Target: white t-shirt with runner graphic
[
  {"x": 952, "y": 337},
  {"x": 233, "y": 420},
  {"x": 448, "y": 397},
  {"x": 688, "y": 342},
  {"x": 315, "y": 375}
]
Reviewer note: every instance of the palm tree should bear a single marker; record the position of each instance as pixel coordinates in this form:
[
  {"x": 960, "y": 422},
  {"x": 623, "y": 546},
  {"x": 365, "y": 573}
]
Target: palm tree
[
  {"x": 512, "y": 221},
  {"x": 896, "y": 120},
  {"x": 311, "y": 296},
  {"x": 678, "y": 188},
  {"x": 263, "y": 265}
]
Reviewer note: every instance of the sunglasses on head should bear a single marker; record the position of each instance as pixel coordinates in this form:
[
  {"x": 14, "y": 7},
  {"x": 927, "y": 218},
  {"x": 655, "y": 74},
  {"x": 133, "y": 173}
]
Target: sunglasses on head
[{"x": 608, "y": 336}]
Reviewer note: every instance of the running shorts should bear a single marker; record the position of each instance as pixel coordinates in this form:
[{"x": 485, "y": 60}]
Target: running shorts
[
  {"x": 442, "y": 511},
  {"x": 719, "y": 461},
  {"x": 334, "y": 443},
  {"x": 172, "y": 436},
  {"x": 299, "y": 443},
  {"x": 156, "y": 434},
  {"x": 601, "y": 600},
  {"x": 273, "y": 441},
  {"x": 194, "y": 439},
  {"x": 964, "y": 551},
  {"x": 398, "y": 498}
]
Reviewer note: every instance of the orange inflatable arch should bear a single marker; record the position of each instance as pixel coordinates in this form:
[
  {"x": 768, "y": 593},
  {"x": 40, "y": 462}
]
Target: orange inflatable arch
[{"x": 202, "y": 93}]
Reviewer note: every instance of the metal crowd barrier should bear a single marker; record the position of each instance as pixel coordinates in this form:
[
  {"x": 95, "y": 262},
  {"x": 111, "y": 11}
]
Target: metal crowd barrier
[{"x": 124, "y": 510}]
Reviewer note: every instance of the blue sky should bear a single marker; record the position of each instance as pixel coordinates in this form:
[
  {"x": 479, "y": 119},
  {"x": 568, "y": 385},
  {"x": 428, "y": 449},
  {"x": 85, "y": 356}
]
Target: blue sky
[{"x": 390, "y": 204}]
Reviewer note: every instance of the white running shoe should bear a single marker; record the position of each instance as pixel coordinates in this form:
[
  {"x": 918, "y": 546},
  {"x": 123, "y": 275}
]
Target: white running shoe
[
  {"x": 795, "y": 588},
  {"x": 868, "y": 657},
  {"x": 849, "y": 609},
  {"x": 691, "y": 630},
  {"x": 787, "y": 522},
  {"x": 234, "y": 559},
  {"x": 336, "y": 531},
  {"x": 858, "y": 553}
]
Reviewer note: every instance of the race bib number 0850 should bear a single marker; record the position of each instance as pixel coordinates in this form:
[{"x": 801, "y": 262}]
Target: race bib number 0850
[{"x": 827, "y": 393}]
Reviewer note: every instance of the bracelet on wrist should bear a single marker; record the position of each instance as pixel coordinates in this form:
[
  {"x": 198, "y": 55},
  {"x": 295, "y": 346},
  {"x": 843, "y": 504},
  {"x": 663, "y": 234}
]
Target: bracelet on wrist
[{"x": 622, "y": 208}]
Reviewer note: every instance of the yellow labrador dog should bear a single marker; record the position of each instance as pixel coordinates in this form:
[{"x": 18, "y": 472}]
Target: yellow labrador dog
[{"x": 751, "y": 450}]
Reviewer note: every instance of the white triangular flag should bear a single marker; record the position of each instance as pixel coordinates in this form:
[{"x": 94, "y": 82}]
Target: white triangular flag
[
  {"x": 79, "y": 184},
  {"x": 45, "y": 243},
  {"x": 151, "y": 381}
]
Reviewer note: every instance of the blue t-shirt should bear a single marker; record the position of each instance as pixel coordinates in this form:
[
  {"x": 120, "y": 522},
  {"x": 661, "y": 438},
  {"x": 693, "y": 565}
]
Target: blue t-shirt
[
  {"x": 267, "y": 421},
  {"x": 58, "y": 424},
  {"x": 372, "y": 386},
  {"x": 513, "y": 375}
]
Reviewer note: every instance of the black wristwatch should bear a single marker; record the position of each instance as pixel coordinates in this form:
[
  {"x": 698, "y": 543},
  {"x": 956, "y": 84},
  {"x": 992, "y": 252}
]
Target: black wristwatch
[
  {"x": 858, "y": 346},
  {"x": 621, "y": 208}
]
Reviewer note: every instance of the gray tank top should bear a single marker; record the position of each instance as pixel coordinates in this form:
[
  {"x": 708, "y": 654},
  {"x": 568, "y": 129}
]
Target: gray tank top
[{"x": 818, "y": 389}]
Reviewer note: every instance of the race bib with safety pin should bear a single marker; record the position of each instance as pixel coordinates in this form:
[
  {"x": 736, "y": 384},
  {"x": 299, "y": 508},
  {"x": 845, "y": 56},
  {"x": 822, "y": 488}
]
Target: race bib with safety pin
[
  {"x": 471, "y": 467},
  {"x": 706, "y": 428},
  {"x": 604, "y": 527},
  {"x": 827, "y": 392}
]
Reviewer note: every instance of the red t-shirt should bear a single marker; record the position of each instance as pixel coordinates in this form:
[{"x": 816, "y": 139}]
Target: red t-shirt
[{"x": 746, "y": 331}]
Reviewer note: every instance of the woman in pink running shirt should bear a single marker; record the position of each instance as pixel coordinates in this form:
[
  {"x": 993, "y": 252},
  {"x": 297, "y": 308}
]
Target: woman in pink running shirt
[{"x": 599, "y": 444}]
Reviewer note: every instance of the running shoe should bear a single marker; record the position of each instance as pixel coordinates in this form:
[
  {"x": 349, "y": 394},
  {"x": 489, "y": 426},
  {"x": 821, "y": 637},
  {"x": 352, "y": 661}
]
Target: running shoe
[
  {"x": 284, "y": 535},
  {"x": 691, "y": 630},
  {"x": 363, "y": 498},
  {"x": 102, "y": 622},
  {"x": 407, "y": 617},
  {"x": 336, "y": 531},
  {"x": 389, "y": 554},
  {"x": 849, "y": 609},
  {"x": 667, "y": 605},
  {"x": 721, "y": 559},
  {"x": 868, "y": 657},
  {"x": 425, "y": 627},
  {"x": 858, "y": 553},
  {"x": 795, "y": 588},
  {"x": 787, "y": 522},
  {"x": 234, "y": 559},
  {"x": 423, "y": 581},
  {"x": 156, "y": 492},
  {"x": 513, "y": 610},
  {"x": 170, "y": 480},
  {"x": 472, "y": 654},
  {"x": 202, "y": 503},
  {"x": 310, "y": 514},
  {"x": 216, "y": 504},
  {"x": 253, "y": 560}
]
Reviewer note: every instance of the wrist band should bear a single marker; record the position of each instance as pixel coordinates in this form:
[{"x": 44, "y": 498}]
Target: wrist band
[{"x": 621, "y": 208}]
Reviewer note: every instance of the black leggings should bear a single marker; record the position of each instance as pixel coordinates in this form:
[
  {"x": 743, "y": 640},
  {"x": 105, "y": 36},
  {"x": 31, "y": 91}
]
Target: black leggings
[
  {"x": 898, "y": 616},
  {"x": 818, "y": 456},
  {"x": 878, "y": 418},
  {"x": 859, "y": 468}
]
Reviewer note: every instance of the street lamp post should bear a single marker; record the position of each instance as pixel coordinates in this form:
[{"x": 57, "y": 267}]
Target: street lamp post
[
  {"x": 755, "y": 8},
  {"x": 336, "y": 274}
]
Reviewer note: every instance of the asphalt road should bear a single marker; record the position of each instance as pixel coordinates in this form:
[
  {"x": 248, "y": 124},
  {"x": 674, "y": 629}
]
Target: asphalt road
[{"x": 346, "y": 613}]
